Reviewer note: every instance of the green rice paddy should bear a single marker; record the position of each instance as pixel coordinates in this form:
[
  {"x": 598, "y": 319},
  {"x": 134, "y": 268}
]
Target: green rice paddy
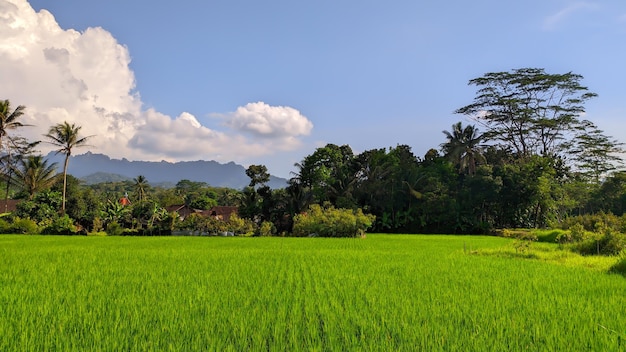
[{"x": 381, "y": 293}]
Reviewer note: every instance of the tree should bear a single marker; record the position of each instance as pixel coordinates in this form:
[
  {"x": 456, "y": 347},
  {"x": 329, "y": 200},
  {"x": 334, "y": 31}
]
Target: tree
[
  {"x": 141, "y": 187},
  {"x": 596, "y": 153},
  {"x": 463, "y": 147},
  {"x": 186, "y": 186},
  {"x": 258, "y": 175},
  {"x": 530, "y": 111},
  {"x": 329, "y": 173},
  {"x": 66, "y": 137},
  {"x": 9, "y": 119},
  {"x": 35, "y": 174},
  {"x": 17, "y": 149}
]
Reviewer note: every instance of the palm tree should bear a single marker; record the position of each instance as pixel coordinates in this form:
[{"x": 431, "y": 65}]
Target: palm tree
[
  {"x": 18, "y": 148},
  {"x": 34, "y": 174},
  {"x": 141, "y": 186},
  {"x": 8, "y": 119},
  {"x": 66, "y": 137},
  {"x": 463, "y": 147}
]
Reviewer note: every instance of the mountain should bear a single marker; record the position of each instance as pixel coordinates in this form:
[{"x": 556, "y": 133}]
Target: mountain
[{"x": 93, "y": 167}]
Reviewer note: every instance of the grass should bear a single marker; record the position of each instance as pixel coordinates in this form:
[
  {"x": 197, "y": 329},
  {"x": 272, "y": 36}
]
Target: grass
[
  {"x": 554, "y": 254},
  {"x": 385, "y": 292}
]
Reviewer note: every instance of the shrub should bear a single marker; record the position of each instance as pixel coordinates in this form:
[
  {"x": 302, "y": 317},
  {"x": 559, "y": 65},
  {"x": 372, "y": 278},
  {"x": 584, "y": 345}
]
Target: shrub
[
  {"x": 191, "y": 222},
  {"x": 25, "y": 226},
  {"x": 332, "y": 222},
  {"x": 114, "y": 229},
  {"x": 620, "y": 266},
  {"x": 594, "y": 222},
  {"x": 4, "y": 226},
  {"x": 97, "y": 224},
  {"x": 63, "y": 225},
  {"x": 266, "y": 228},
  {"x": 564, "y": 237},
  {"x": 240, "y": 226},
  {"x": 132, "y": 232},
  {"x": 612, "y": 243},
  {"x": 523, "y": 241}
]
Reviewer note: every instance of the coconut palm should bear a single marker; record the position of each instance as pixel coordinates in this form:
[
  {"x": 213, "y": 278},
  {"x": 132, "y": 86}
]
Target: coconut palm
[
  {"x": 18, "y": 148},
  {"x": 34, "y": 174},
  {"x": 9, "y": 119},
  {"x": 66, "y": 137},
  {"x": 463, "y": 147},
  {"x": 141, "y": 186}
]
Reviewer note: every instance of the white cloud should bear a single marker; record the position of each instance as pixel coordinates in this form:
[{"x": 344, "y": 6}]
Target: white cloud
[
  {"x": 264, "y": 120},
  {"x": 84, "y": 78},
  {"x": 553, "y": 21}
]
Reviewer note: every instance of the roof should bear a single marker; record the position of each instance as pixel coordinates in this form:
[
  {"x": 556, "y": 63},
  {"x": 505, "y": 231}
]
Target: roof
[
  {"x": 217, "y": 212},
  {"x": 221, "y": 212},
  {"x": 9, "y": 205}
]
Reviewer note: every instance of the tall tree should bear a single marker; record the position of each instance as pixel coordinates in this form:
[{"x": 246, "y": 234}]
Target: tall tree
[
  {"x": 9, "y": 119},
  {"x": 17, "y": 149},
  {"x": 463, "y": 147},
  {"x": 141, "y": 187},
  {"x": 35, "y": 174},
  {"x": 258, "y": 175},
  {"x": 596, "y": 153},
  {"x": 528, "y": 110},
  {"x": 329, "y": 173},
  {"x": 66, "y": 137},
  {"x": 13, "y": 148}
]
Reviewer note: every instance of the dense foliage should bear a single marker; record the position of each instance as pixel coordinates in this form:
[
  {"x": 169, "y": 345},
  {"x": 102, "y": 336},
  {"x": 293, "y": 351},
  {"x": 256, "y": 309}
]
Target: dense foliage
[
  {"x": 532, "y": 161},
  {"x": 331, "y": 222}
]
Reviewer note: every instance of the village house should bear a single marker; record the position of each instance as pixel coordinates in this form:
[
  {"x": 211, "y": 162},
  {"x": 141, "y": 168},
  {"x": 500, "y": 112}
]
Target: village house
[{"x": 218, "y": 212}]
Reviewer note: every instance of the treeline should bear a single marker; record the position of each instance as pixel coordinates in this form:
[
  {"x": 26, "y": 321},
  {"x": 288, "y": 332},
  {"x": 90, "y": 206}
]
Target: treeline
[
  {"x": 528, "y": 159},
  {"x": 536, "y": 162}
]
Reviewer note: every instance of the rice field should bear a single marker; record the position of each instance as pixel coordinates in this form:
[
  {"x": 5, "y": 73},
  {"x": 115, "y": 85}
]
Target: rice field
[{"x": 381, "y": 293}]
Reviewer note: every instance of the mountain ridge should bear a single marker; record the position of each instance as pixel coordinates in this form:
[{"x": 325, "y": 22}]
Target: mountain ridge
[{"x": 215, "y": 174}]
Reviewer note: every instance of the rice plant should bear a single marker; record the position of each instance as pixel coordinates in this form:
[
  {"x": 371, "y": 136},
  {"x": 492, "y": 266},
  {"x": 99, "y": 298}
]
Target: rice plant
[{"x": 380, "y": 293}]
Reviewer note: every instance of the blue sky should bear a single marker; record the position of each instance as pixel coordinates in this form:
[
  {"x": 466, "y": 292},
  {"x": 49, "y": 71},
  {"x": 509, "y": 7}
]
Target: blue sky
[{"x": 268, "y": 82}]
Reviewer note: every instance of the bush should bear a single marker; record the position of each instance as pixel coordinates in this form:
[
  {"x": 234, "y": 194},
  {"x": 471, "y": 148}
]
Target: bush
[
  {"x": 595, "y": 222},
  {"x": 114, "y": 229},
  {"x": 620, "y": 266},
  {"x": 97, "y": 224},
  {"x": 24, "y": 226},
  {"x": 61, "y": 226},
  {"x": 266, "y": 228},
  {"x": 612, "y": 243},
  {"x": 332, "y": 222},
  {"x": 4, "y": 226},
  {"x": 240, "y": 226}
]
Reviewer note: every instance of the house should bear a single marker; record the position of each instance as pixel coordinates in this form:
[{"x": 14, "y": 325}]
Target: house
[
  {"x": 9, "y": 205},
  {"x": 221, "y": 212},
  {"x": 217, "y": 212},
  {"x": 183, "y": 210}
]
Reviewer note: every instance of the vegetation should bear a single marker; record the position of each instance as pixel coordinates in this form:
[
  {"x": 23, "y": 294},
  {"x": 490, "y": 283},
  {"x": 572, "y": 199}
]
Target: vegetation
[
  {"x": 532, "y": 161},
  {"x": 65, "y": 136},
  {"x": 382, "y": 293},
  {"x": 534, "y": 172},
  {"x": 331, "y": 222}
]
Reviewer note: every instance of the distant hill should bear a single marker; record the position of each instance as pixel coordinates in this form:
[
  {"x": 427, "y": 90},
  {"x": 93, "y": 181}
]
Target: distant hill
[
  {"x": 100, "y": 177},
  {"x": 97, "y": 168}
]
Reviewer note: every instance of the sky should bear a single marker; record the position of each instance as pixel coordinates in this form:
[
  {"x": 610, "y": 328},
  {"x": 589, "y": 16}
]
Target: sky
[{"x": 268, "y": 82}]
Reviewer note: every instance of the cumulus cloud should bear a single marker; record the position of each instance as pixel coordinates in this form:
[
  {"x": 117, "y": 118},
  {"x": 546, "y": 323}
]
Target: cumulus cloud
[
  {"x": 84, "y": 78},
  {"x": 263, "y": 120}
]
